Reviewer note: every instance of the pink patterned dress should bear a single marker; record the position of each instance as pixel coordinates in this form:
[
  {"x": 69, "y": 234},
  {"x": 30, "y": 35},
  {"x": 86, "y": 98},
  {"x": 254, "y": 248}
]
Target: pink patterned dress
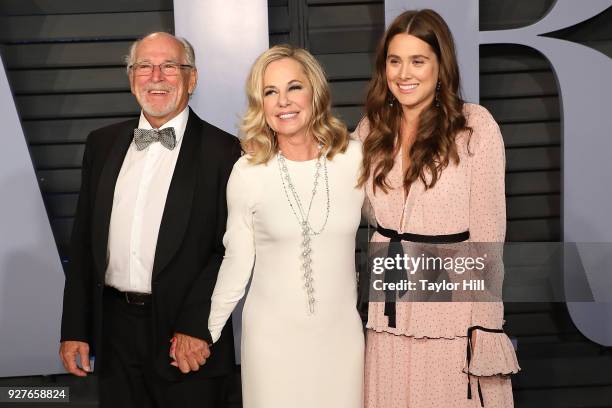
[{"x": 421, "y": 362}]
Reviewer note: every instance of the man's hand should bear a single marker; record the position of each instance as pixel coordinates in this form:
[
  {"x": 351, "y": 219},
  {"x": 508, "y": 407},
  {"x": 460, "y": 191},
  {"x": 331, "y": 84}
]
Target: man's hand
[
  {"x": 189, "y": 352},
  {"x": 69, "y": 350}
]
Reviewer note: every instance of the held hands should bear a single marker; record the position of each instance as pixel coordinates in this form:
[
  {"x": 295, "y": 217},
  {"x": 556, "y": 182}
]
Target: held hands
[
  {"x": 188, "y": 353},
  {"x": 69, "y": 350}
]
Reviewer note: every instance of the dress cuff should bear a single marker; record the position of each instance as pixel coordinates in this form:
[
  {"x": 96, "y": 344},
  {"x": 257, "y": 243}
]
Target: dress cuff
[{"x": 493, "y": 354}]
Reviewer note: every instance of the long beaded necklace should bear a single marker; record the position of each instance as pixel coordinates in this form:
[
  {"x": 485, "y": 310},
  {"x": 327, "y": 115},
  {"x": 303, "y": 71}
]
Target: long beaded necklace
[{"x": 303, "y": 218}]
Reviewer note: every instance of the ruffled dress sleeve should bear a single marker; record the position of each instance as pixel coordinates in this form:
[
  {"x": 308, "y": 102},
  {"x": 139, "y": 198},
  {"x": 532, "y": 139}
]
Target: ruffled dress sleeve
[{"x": 493, "y": 352}]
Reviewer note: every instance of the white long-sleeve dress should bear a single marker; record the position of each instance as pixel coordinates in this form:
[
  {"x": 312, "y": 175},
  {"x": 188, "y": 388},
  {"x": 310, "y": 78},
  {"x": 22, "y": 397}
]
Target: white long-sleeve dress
[{"x": 291, "y": 358}]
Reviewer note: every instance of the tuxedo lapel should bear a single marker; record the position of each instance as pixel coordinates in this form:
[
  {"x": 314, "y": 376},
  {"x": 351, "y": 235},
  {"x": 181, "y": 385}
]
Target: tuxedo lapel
[
  {"x": 104, "y": 196},
  {"x": 179, "y": 200}
]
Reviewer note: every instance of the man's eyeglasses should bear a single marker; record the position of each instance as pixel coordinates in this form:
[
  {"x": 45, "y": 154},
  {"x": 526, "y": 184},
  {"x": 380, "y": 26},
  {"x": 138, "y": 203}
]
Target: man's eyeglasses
[{"x": 166, "y": 68}]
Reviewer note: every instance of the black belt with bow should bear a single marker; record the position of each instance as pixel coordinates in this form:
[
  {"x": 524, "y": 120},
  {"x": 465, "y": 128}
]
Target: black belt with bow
[{"x": 397, "y": 275}]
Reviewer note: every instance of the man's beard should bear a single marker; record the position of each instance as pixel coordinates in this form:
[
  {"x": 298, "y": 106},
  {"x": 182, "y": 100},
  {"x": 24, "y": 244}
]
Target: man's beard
[
  {"x": 163, "y": 111},
  {"x": 159, "y": 112}
]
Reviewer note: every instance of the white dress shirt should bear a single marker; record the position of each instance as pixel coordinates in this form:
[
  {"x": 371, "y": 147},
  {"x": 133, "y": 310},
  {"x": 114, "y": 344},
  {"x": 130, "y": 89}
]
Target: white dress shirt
[{"x": 138, "y": 206}]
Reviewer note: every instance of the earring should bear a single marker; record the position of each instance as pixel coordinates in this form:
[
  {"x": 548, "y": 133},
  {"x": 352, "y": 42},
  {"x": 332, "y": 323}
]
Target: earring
[
  {"x": 391, "y": 100},
  {"x": 437, "y": 99}
]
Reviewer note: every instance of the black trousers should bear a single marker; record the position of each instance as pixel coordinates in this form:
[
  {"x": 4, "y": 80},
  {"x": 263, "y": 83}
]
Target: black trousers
[{"x": 127, "y": 378}]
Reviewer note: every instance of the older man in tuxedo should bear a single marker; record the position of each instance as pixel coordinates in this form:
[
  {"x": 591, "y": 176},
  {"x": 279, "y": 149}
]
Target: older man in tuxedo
[{"x": 147, "y": 243}]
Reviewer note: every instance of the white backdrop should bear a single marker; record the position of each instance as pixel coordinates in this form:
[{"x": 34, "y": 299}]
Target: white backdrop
[
  {"x": 31, "y": 275},
  {"x": 226, "y": 45}
]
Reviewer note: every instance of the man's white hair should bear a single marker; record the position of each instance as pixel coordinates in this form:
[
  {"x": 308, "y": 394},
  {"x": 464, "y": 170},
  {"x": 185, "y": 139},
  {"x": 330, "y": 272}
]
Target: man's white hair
[{"x": 130, "y": 58}]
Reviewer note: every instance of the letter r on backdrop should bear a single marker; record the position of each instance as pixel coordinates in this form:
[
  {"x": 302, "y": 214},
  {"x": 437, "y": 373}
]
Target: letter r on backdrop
[{"x": 581, "y": 74}]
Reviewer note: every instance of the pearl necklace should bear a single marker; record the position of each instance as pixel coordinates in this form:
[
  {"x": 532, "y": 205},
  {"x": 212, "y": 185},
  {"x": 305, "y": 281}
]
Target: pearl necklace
[{"x": 303, "y": 217}]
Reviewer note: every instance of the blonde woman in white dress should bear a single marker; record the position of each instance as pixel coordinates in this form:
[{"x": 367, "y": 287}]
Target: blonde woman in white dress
[{"x": 294, "y": 210}]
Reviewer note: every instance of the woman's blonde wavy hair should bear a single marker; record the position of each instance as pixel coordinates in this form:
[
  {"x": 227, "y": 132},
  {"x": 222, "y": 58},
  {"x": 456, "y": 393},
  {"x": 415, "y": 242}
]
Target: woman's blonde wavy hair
[{"x": 259, "y": 141}]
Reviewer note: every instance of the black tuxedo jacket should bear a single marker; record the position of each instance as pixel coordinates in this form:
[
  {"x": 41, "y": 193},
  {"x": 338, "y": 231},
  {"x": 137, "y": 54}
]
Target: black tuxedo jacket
[{"x": 189, "y": 247}]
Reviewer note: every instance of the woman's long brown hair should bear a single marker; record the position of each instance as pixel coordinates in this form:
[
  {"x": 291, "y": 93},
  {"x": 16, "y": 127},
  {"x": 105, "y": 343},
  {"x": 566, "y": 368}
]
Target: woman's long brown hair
[{"x": 434, "y": 145}]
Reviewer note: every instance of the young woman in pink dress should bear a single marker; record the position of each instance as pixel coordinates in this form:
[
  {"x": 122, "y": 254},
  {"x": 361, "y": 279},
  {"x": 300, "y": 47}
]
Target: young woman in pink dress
[{"x": 433, "y": 170}]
